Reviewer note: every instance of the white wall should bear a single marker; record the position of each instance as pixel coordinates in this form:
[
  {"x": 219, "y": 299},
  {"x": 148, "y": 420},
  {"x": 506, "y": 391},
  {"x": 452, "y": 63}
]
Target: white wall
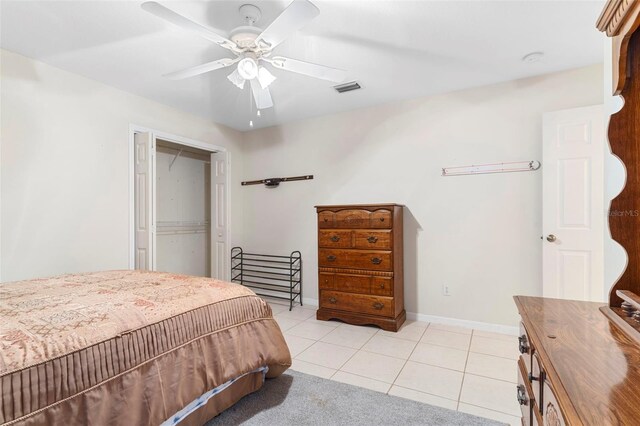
[
  {"x": 65, "y": 168},
  {"x": 480, "y": 235},
  {"x": 65, "y": 191}
]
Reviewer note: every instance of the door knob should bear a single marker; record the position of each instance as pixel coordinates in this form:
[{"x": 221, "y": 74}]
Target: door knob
[{"x": 551, "y": 238}]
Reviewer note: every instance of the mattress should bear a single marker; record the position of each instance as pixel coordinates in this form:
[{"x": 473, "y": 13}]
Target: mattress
[{"x": 130, "y": 347}]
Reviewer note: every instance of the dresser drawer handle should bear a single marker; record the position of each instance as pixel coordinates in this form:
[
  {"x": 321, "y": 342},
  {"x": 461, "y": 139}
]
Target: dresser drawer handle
[
  {"x": 333, "y": 300},
  {"x": 331, "y": 258},
  {"x": 378, "y": 306},
  {"x": 372, "y": 239},
  {"x": 376, "y": 260},
  {"x": 381, "y": 285},
  {"x": 523, "y": 344},
  {"x": 335, "y": 238},
  {"x": 382, "y": 219},
  {"x": 522, "y": 395}
]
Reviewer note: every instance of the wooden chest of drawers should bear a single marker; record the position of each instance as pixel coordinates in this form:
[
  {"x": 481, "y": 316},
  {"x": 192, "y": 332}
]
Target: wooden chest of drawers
[{"x": 360, "y": 268}]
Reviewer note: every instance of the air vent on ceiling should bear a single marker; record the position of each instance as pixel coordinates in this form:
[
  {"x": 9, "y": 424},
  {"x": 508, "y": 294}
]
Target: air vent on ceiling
[{"x": 347, "y": 87}]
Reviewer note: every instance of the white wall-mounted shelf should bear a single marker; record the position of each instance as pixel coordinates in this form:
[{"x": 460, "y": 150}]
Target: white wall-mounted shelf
[{"x": 477, "y": 169}]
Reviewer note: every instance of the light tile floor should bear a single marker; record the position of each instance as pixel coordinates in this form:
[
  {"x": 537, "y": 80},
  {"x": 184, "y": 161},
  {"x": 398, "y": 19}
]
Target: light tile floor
[{"x": 453, "y": 367}]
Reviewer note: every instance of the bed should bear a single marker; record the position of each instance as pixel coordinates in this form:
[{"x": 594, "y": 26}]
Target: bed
[{"x": 132, "y": 348}]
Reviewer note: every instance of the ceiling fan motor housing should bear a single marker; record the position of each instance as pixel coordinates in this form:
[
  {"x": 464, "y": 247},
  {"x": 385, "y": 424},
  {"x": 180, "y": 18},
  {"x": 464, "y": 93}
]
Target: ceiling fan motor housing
[{"x": 245, "y": 36}]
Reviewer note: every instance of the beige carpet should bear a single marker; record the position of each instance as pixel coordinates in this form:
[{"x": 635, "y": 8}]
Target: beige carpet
[{"x": 300, "y": 399}]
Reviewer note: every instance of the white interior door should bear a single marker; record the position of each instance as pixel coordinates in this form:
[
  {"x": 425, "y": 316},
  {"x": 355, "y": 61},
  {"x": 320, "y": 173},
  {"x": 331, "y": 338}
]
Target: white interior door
[
  {"x": 219, "y": 219},
  {"x": 573, "y": 204},
  {"x": 144, "y": 187}
]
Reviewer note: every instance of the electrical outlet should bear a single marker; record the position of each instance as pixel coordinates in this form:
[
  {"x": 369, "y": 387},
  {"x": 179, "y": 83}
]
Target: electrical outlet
[{"x": 445, "y": 290}]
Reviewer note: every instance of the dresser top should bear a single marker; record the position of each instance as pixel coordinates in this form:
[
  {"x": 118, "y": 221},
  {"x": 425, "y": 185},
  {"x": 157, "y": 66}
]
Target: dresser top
[
  {"x": 594, "y": 367},
  {"x": 351, "y": 206}
]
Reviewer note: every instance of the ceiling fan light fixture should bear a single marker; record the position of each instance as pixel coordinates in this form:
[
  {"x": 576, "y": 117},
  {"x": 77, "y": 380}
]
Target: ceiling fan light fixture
[
  {"x": 236, "y": 79},
  {"x": 248, "y": 68},
  {"x": 265, "y": 78}
]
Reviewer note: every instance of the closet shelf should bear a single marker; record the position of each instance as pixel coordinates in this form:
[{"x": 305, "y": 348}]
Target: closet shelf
[
  {"x": 182, "y": 232},
  {"x": 180, "y": 228},
  {"x": 181, "y": 223}
]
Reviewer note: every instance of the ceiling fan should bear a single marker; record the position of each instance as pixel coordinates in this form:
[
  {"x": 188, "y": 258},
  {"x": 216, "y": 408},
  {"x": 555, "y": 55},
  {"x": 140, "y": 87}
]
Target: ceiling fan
[{"x": 252, "y": 47}]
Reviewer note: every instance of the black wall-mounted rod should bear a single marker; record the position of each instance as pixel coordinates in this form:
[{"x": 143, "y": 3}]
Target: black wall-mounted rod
[{"x": 272, "y": 182}]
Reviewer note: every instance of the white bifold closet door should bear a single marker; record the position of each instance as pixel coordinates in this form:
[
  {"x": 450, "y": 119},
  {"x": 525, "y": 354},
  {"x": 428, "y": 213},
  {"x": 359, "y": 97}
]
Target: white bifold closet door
[
  {"x": 219, "y": 220},
  {"x": 144, "y": 188}
]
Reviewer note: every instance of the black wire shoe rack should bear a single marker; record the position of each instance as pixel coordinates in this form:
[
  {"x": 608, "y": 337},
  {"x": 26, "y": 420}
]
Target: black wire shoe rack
[{"x": 269, "y": 275}]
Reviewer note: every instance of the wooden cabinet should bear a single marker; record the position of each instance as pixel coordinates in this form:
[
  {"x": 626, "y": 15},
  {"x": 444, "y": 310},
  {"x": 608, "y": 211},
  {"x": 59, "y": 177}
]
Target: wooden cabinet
[
  {"x": 536, "y": 393},
  {"x": 360, "y": 277},
  {"x": 577, "y": 368}
]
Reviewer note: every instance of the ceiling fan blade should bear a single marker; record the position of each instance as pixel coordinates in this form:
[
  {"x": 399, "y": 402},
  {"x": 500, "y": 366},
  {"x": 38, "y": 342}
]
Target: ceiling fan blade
[
  {"x": 185, "y": 23},
  {"x": 307, "y": 68},
  {"x": 298, "y": 14},
  {"x": 261, "y": 96},
  {"x": 201, "y": 69}
]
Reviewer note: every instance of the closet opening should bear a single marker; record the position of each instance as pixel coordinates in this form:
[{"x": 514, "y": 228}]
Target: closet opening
[
  {"x": 183, "y": 209},
  {"x": 179, "y": 206}
]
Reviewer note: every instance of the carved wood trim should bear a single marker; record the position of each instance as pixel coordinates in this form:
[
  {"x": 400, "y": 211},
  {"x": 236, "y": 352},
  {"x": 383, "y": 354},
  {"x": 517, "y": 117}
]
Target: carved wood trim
[
  {"x": 619, "y": 20},
  {"x": 356, "y": 271},
  {"x": 614, "y": 15}
]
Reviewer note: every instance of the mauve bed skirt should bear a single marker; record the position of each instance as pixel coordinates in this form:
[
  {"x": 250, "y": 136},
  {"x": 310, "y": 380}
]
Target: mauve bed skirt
[{"x": 144, "y": 376}]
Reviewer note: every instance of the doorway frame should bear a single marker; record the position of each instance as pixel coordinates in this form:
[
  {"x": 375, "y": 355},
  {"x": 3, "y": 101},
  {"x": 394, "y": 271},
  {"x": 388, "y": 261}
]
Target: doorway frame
[{"x": 157, "y": 134}]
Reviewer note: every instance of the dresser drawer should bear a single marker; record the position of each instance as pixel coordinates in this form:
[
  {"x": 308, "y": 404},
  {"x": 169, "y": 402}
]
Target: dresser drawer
[
  {"x": 381, "y": 219},
  {"x": 357, "y": 218},
  {"x": 372, "y": 240},
  {"x": 353, "y": 219},
  {"x": 351, "y": 283},
  {"x": 382, "y": 286},
  {"x": 335, "y": 238},
  {"x": 358, "y": 259},
  {"x": 326, "y": 281},
  {"x": 356, "y": 283},
  {"x": 374, "y": 305},
  {"x": 326, "y": 219}
]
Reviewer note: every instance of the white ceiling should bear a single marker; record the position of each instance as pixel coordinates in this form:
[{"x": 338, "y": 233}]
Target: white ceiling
[{"x": 394, "y": 49}]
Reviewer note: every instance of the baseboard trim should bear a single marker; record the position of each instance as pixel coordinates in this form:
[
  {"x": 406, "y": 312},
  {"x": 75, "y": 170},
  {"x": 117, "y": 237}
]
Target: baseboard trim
[
  {"x": 310, "y": 302},
  {"x": 476, "y": 325}
]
